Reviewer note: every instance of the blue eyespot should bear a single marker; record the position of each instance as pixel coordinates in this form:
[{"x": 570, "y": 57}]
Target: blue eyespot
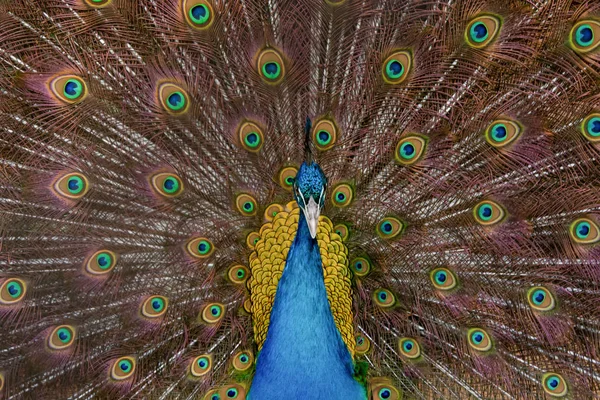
[
  {"x": 385, "y": 393},
  {"x": 585, "y": 35},
  {"x": 479, "y": 32},
  {"x": 440, "y": 277}
]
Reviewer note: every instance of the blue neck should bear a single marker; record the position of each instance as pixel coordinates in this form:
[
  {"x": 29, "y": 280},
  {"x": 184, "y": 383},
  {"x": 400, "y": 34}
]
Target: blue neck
[{"x": 304, "y": 356}]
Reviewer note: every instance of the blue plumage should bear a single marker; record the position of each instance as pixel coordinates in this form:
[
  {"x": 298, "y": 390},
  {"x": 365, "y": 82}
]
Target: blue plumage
[{"x": 304, "y": 356}]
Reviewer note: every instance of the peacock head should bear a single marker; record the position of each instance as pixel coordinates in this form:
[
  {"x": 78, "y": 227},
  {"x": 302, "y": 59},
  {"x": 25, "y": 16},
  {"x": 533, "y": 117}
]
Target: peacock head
[{"x": 310, "y": 186}]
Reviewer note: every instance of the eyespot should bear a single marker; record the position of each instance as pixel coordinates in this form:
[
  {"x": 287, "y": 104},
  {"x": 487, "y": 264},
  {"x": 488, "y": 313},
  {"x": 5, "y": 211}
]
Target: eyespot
[
  {"x": 584, "y": 231},
  {"x": 384, "y": 298},
  {"x": 503, "y": 132},
  {"x": 479, "y": 340},
  {"x": 201, "y": 365},
  {"x": 342, "y": 195},
  {"x": 250, "y": 136},
  {"x": 443, "y": 279},
  {"x": 540, "y": 299},
  {"x": 246, "y": 204},
  {"x": 271, "y": 211},
  {"x": 213, "y": 313},
  {"x": 122, "y": 368},
  {"x": 362, "y": 345},
  {"x": 591, "y": 127},
  {"x": 233, "y": 391},
  {"x": 252, "y": 239},
  {"x": 61, "y": 337},
  {"x": 101, "y": 262},
  {"x": 389, "y": 228},
  {"x": 410, "y": 149},
  {"x": 166, "y": 184},
  {"x": 69, "y": 89},
  {"x": 198, "y": 14},
  {"x": 200, "y": 247},
  {"x": 482, "y": 31},
  {"x": 384, "y": 391},
  {"x": 409, "y": 348},
  {"x": 585, "y": 36},
  {"x": 238, "y": 273},
  {"x": 173, "y": 98},
  {"x": 154, "y": 306},
  {"x": 361, "y": 266},
  {"x": 243, "y": 360},
  {"x": 554, "y": 384},
  {"x": 324, "y": 134},
  {"x": 72, "y": 186},
  {"x": 397, "y": 67},
  {"x": 270, "y": 66},
  {"x": 488, "y": 213},
  {"x": 286, "y": 177},
  {"x": 343, "y": 230},
  {"x": 98, "y": 3},
  {"x": 12, "y": 291}
]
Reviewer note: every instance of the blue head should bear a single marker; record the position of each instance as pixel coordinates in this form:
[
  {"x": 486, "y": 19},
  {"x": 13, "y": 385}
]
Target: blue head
[{"x": 310, "y": 186}]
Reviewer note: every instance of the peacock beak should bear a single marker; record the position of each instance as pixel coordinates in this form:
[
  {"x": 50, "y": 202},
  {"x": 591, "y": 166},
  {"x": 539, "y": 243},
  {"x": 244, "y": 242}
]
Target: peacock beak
[{"x": 311, "y": 213}]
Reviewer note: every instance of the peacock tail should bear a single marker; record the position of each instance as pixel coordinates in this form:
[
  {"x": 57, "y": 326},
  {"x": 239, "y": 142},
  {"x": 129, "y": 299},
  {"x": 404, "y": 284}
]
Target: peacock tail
[{"x": 159, "y": 179}]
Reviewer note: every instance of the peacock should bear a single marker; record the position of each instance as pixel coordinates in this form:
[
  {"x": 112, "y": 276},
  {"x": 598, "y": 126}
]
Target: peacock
[{"x": 300, "y": 199}]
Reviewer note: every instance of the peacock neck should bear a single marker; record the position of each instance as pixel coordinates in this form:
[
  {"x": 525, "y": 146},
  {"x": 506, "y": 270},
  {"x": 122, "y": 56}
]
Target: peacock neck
[{"x": 304, "y": 356}]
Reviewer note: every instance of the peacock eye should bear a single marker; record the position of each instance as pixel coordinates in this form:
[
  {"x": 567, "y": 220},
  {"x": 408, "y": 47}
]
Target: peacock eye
[
  {"x": 325, "y": 133},
  {"x": 173, "y": 98},
  {"x": 502, "y": 132},
  {"x": 271, "y": 211},
  {"x": 361, "y": 266},
  {"x": 12, "y": 291},
  {"x": 198, "y": 13},
  {"x": 270, "y": 66},
  {"x": 201, "y": 365},
  {"x": 482, "y": 31},
  {"x": 488, "y": 213},
  {"x": 389, "y": 228},
  {"x": 101, "y": 262},
  {"x": 342, "y": 230},
  {"x": 233, "y": 391},
  {"x": 154, "y": 306},
  {"x": 591, "y": 127},
  {"x": 384, "y": 391},
  {"x": 342, "y": 195},
  {"x": 443, "y": 279},
  {"x": 384, "y": 298},
  {"x": 243, "y": 360},
  {"x": 213, "y": 313},
  {"x": 61, "y": 337},
  {"x": 246, "y": 204},
  {"x": 479, "y": 340},
  {"x": 167, "y": 184},
  {"x": 554, "y": 384},
  {"x": 410, "y": 149},
  {"x": 540, "y": 299},
  {"x": 252, "y": 239},
  {"x": 69, "y": 89},
  {"x": 397, "y": 67},
  {"x": 200, "y": 247},
  {"x": 122, "y": 368},
  {"x": 362, "y": 345},
  {"x": 584, "y": 231},
  {"x": 585, "y": 36},
  {"x": 71, "y": 186},
  {"x": 237, "y": 273},
  {"x": 409, "y": 348},
  {"x": 250, "y": 136}
]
